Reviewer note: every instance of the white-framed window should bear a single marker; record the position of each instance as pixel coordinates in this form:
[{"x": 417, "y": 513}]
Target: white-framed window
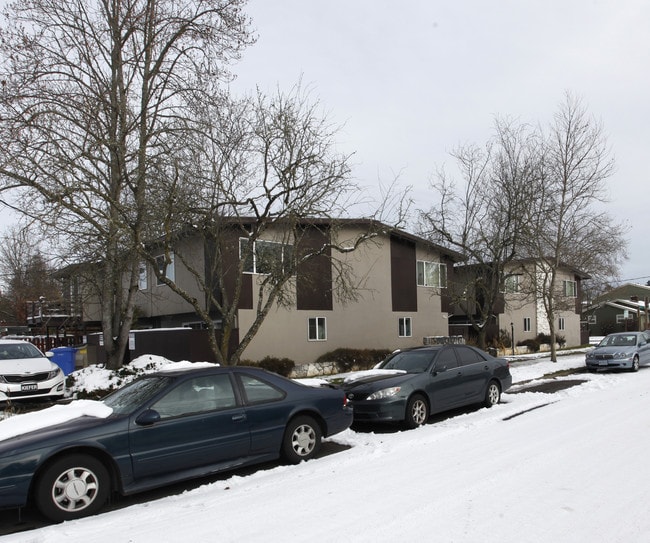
[
  {"x": 264, "y": 257},
  {"x": 166, "y": 268},
  {"x": 142, "y": 276},
  {"x": 404, "y": 327},
  {"x": 317, "y": 329},
  {"x": 526, "y": 324},
  {"x": 591, "y": 319},
  {"x": 561, "y": 324},
  {"x": 512, "y": 284},
  {"x": 620, "y": 318},
  {"x": 431, "y": 274},
  {"x": 570, "y": 289}
]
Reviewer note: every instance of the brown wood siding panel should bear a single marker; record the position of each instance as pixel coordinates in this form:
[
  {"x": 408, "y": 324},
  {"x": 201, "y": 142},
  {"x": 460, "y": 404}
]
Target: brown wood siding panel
[
  {"x": 404, "y": 293},
  {"x": 314, "y": 277},
  {"x": 445, "y": 297}
]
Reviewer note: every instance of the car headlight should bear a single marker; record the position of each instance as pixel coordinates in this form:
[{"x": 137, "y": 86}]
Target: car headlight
[
  {"x": 384, "y": 393},
  {"x": 622, "y": 355},
  {"x": 54, "y": 374}
]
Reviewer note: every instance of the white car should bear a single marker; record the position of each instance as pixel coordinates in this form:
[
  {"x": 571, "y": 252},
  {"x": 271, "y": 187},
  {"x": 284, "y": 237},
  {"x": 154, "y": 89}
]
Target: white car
[{"x": 25, "y": 373}]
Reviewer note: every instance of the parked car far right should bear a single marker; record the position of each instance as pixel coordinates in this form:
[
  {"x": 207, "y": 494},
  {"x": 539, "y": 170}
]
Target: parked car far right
[{"x": 622, "y": 350}]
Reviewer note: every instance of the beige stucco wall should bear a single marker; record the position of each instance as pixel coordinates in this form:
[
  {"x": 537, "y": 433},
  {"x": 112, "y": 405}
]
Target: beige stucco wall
[
  {"x": 520, "y": 306},
  {"x": 367, "y": 323}
]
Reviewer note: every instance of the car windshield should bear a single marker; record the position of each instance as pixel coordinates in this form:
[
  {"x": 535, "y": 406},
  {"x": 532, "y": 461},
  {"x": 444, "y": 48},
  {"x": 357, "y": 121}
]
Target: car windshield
[
  {"x": 619, "y": 340},
  {"x": 19, "y": 350},
  {"x": 128, "y": 398},
  {"x": 409, "y": 361}
]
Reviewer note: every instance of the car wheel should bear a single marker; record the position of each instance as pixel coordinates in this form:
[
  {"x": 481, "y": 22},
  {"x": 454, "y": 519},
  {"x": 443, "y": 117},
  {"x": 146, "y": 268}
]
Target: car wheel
[
  {"x": 492, "y": 394},
  {"x": 417, "y": 411},
  {"x": 635, "y": 363},
  {"x": 72, "y": 487},
  {"x": 302, "y": 439}
]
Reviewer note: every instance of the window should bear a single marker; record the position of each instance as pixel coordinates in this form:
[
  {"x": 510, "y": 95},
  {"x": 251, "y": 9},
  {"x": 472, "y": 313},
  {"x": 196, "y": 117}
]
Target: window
[
  {"x": 404, "y": 327},
  {"x": 591, "y": 319},
  {"x": 570, "y": 289},
  {"x": 264, "y": 257},
  {"x": 526, "y": 324},
  {"x": 197, "y": 395},
  {"x": 620, "y": 318},
  {"x": 165, "y": 268},
  {"x": 561, "y": 324},
  {"x": 258, "y": 391},
  {"x": 142, "y": 276},
  {"x": 512, "y": 284},
  {"x": 431, "y": 274},
  {"x": 317, "y": 329},
  {"x": 468, "y": 355}
]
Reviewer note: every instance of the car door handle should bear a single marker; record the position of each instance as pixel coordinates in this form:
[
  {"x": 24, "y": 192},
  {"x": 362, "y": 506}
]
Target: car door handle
[{"x": 239, "y": 418}]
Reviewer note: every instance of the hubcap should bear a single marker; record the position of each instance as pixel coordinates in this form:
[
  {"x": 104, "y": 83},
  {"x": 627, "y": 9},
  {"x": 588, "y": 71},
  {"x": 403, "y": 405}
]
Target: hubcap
[
  {"x": 75, "y": 489},
  {"x": 419, "y": 412},
  {"x": 494, "y": 394},
  {"x": 304, "y": 440}
]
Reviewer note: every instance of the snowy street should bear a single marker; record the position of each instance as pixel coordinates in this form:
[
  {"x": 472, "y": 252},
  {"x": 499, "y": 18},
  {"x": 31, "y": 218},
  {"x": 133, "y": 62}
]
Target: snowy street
[{"x": 568, "y": 466}]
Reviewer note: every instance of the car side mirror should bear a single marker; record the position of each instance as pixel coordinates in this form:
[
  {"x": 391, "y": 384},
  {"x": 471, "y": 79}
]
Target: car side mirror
[
  {"x": 642, "y": 343},
  {"x": 439, "y": 369},
  {"x": 148, "y": 417}
]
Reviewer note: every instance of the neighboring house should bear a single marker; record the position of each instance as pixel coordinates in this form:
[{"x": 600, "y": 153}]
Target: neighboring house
[
  {"x": 401, "y": 281},
  {"x": 520, "y": 311},
  {"x": 621, "y": 309}
]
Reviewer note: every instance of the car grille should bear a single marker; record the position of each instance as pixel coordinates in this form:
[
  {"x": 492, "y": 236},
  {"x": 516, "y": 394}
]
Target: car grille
[
  {"x": 20, "y": 394},
  {"x": 603, "y": 357},
  {"x": 30, "y": 378},
  {"x": 357, "y": 396}
]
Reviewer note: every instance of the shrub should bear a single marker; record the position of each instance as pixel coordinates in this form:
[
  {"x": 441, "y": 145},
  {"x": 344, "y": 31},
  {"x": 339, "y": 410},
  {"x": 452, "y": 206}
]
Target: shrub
[
  {"x": 351, "y": 359},
  {"x": 532, "y": 344},
  {"x": 560, "y": 340},
  {"x": 281, "y": 366},
  {"x": 544, "y": 339},
  {"x": 504, "y": 341}
]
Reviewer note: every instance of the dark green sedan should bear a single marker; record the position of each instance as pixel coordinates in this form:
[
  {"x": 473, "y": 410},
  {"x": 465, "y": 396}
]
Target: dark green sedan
[
  {"x": 163, "y": 428},
  {"x": 412, "y": 384}
]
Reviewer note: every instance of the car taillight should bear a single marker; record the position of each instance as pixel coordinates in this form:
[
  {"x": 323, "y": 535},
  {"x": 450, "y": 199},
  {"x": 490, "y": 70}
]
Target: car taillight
[{"x": 345, "y": 400}]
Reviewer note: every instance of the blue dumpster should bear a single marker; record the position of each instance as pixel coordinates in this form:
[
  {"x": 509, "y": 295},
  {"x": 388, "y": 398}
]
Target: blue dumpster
[{"x": 64, "y": 357}]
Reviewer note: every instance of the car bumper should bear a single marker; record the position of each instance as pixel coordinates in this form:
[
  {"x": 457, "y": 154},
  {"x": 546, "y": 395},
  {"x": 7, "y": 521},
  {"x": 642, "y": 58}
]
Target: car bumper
[
  {"x": 610, "y": 363},
  {"x": 44, "y": 389},
  {"x": 379, "y": 411}
]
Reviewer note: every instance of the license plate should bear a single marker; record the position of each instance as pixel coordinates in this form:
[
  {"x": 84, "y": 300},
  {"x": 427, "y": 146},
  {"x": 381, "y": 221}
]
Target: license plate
[
  {"x": 25, "y": 388},
  {"x": 602, "y": 363}
]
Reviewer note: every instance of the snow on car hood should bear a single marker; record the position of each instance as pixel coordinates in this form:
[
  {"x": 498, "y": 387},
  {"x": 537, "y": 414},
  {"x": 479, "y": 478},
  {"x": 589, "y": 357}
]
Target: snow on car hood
[
  {"x": 366, "y": 374},
  {"x": 57, "y": 414},
  {"x": 26, "y": 366}
]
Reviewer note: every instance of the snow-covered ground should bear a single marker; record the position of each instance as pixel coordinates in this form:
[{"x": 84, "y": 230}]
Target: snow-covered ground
[{"x": 570, "y": 466}]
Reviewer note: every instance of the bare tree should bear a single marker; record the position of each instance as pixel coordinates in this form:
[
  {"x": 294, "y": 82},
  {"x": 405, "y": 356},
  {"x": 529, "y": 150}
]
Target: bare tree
[
  {"x": 92, "y": 102},
  {"x": 263, "y": 187},
  {"x": 26, "y": 275},
  {"x": 483, "y": 218},
  {"x": 568, "y": 226}
]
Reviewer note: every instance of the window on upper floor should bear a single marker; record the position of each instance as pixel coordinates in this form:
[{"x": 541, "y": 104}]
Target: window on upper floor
[
  {"x": 264, "y": 257},
  {"x": 431, "y": 274},
  {"x": 165, "y": 268},
  {"x": 142, "y": 276},
  {"x": 570, "y": 289},
  {"x": 512, "y": 284}
]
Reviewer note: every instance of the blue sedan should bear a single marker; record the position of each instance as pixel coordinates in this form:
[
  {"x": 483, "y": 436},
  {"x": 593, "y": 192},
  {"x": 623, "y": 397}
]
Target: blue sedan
[
  {"x": 167, "y": 427},
  {"x": 622, "y": 350}
]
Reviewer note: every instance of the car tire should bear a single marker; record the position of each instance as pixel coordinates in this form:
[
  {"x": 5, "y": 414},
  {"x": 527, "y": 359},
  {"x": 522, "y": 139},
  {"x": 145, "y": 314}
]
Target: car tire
[
  {"x": 417, "y": 411},
  {"x": 635, "y": 363},
  {"x": 492, "y": 394},
  {"x": 302, "y": 439},
  {"x": 71, "y": 487}
]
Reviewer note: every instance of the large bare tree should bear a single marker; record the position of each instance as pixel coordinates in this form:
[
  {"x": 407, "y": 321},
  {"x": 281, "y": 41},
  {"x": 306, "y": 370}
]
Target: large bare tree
[
  {"x": 262, "y": 186},
  {"x": 482, "y": 217},
  {"x": 93, "y": 98},
  {"x": 569, "y": 226}
]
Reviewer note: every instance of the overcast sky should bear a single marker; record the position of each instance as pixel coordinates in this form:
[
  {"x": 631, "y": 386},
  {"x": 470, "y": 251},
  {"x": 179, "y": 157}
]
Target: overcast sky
[{"x": 411, "y": 80}]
